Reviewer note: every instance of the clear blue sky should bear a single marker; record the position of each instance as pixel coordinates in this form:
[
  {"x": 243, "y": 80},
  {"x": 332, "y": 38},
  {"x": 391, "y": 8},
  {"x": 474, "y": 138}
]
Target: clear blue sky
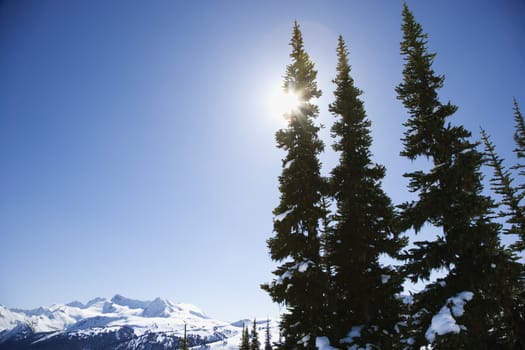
[{"x": 137, "y": 151}]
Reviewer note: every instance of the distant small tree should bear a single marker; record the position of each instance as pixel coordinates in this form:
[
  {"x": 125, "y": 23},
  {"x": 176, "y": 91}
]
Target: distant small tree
[
  {"x": 267, "y": 343},
  {"x": 184, "y": 345},
  {"x": 254, "y": 344},
  {"x": 245, "y": 339}
]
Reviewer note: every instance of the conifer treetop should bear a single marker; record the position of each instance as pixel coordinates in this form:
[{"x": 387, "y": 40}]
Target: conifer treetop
[
  {"x": 350, "y": 107},
  {"x": 519, "y": 134},
  {"x": 418, "y": 91},
  {"x": 300, "y": 76}
]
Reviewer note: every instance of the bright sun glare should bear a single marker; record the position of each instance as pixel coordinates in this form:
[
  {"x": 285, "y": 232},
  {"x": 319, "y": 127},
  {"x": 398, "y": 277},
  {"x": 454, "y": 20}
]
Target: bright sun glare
[{"x": 283, "y": 103}]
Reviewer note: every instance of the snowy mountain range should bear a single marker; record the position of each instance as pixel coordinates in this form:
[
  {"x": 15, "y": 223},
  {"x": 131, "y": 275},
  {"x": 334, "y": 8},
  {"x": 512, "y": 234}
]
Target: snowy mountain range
[{"x": 119, "y": 323}]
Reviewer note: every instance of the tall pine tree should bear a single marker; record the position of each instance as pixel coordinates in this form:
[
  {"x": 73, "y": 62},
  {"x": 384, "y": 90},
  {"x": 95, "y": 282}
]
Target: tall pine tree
[
  {"x": 363, "y": 292},
  {"x": 477, "y": 292},
  {"x": 300, "y": 279}
]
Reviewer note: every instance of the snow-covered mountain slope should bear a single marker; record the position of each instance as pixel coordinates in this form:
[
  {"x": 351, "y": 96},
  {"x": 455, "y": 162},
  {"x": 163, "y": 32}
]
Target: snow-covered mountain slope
[{"x": 118, "y": 323}]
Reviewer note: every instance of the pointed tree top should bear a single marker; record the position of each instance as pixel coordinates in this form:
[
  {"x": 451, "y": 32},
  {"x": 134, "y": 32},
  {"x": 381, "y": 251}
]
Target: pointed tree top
[
  {"x": 300, "y": 74},
  {"x": 342, "y": 54}
]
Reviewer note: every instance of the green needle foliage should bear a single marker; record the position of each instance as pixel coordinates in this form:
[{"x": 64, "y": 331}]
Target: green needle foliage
[
  {"x": 245, "y": 339},
  {"x": 362, "y": 291},
  {"x": 300, "y": 281},
  {"x": 517, "y": 219},
  {"x": 519, "y": 138},
  {"x": 502, "y": 184},
  {"x": 467, "y": 250},
  {"x": 254, "y": 343},
  {"x": 268, "y": 340}
]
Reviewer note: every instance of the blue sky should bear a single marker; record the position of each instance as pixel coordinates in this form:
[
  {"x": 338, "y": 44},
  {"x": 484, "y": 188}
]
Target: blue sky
[{"x": 137, "y": 151}]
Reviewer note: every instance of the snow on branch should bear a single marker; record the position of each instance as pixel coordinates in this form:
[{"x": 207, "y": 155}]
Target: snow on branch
[{"x": 444, "y": 321}]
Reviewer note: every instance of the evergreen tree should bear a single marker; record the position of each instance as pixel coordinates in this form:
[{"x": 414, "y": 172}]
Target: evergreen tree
[
  {"x": 480, "y": 279},
  {"x": 300, "y": 279},
  {"x": 245, "y": 339},
  {"x": 519, "y": 138},
  {"x": 254, "y": 344},
  {"x": 184, "y": 345},
  {"x": 268, "y": 339},
  {"x": 502, "y": 184},
  {"x": 362, "y": 291}
]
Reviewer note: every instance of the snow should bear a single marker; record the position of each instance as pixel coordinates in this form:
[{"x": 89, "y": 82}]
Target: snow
[
  {"x": 302, "y": 267},
  {"x": 143, "y": 316},
  {"x": 281, "y": 278},
  {"x": 232, "y": 343},
  {"x": 458, "y": 302},
  {"x": 323, "y": 343},
  {"x": 131, "y": 303},
  {"x": 304, "y": 340},
  {"x": 444, "y": 321},
  {"x": 157, "y": 308},
  {"x": 9, "y": 319},
  {"x": 282, "y": 216},
  {"x": 159, "y": 318},
  {"x": 355, "y": 332}
]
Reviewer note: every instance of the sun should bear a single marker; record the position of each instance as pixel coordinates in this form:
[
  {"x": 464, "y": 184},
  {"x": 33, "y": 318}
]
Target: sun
[
  {"x": 288, "y": 101},
  {"x": 283, "y": 103}
]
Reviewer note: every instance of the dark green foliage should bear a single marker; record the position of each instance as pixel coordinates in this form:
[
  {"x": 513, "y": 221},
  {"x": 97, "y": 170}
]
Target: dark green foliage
[
  {"x": 184, "y": 344},
  {"x": 517, "y": 219},
  {"x": 268, "y": 338},
  {"x": 519, "y": 138},
  {"x": 362, "y": 292},
  {"x": 300, "y": 279},
  {"x": 245, "y": 339},
  {"x": 467, "y": 250},
  {"x": 502, "y": 184},
  {"x": 254, "y": 343}
]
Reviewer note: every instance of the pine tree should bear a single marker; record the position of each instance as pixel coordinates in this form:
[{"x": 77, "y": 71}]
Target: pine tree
[
  {"x": 254, "y": 343},
  {"x": 300, "y": 279},
  {"x": 502, "y": 184},
  {"x": 268, "y": 339},
  {"x": 519, "y": 138},
  {"x": 516, "y": 218},
  {"x": 184, "y": 345},
  {"x": 245, "y": 339},
  {"x": 362, "y": 291},
  {"x": 480, "y": 279}
]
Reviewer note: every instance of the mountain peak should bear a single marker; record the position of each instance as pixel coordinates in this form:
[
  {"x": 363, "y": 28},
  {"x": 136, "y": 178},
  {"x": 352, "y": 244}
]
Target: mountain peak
[
  {"x": 121, "y": 322},
  {"x": 157, "y": 308},
  {"x": 131, "y": 303},
  {"x": 93, "y": 302},
  {"x": 76, "y": 303}
]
